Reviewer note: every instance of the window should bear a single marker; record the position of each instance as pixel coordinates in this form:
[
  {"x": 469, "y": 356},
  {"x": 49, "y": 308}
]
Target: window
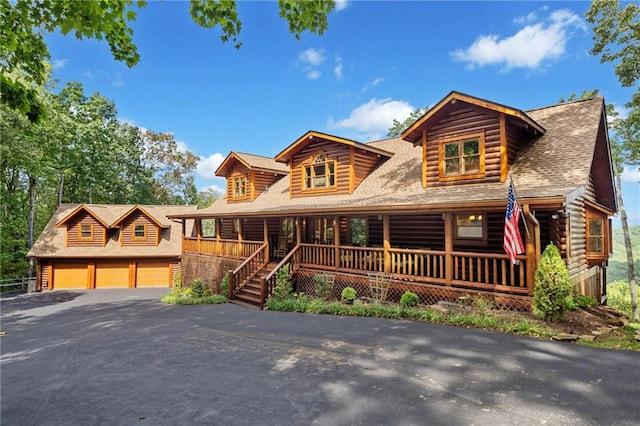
[
  {"x": 139, "y": 231},
  {"x": 358, "y": 228},
  {"x": 462, "y": 157},
  {"x": 208, "y": 228},
  {"x": 320, "y": 174},
  {"x": 595, "y": 236},
  {"x": 239, "y": 187},
  {"x": 287, "y": 229},
  {"x": 235, "y": 224},
  {"x": 86, "y": 231},
  {"x": 470, "y": 229}
]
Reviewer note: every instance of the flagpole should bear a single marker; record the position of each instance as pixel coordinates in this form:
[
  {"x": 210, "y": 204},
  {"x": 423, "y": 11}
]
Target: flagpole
[{"x": 524, "y": 220}]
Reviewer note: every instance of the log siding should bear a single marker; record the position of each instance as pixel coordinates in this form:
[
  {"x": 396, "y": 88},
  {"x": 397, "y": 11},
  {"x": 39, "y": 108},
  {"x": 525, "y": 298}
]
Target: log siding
[
  {"x": 98, "y": 231},
  {"x": 127, "y": 231}
]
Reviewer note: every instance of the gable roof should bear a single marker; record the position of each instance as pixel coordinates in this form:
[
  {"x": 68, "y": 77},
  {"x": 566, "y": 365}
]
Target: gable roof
[
  {"x": 306, "y": 139},
  {"x": 414, "y": 132},
  {"x": 139, "y": 208},
  {"x": 251, "y": 162},
  {"x": 52, "y": 242},
  {"x": 86, "y": 209},
  {"x": 547, "y": 169}
]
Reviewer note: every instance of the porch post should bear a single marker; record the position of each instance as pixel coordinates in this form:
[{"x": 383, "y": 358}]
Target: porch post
[
  {"x": 532, "y": 247},
  {"x": 448, "y": 248},
  {"x": 266, "y": 239},
  {"x": 336, "y": 240},
  {"x": 240, "y": 238},
  {"x": 386, "y": 243},
  {"x": 218, "y": 226}
]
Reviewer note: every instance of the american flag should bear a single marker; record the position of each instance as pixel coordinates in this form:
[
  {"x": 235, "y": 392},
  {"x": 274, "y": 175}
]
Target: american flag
[{"x": 512, "y": 241}]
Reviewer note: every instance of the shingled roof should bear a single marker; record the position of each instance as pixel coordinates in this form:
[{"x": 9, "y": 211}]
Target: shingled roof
[
  {"x": 52, "y": 241},
  {"x": 550, "y": 166},
  {"x": 252, "y": 162}
]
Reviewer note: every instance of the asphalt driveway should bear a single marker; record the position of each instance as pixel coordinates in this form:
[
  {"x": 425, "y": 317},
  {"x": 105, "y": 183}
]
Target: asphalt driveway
[{"x": 122, "y": 357}]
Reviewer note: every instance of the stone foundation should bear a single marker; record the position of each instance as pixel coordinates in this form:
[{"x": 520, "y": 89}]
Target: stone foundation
[{"x": 208, "y": 268}]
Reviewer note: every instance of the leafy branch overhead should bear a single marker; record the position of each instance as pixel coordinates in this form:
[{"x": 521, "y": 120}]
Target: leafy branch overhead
[{"x": 24, "y": 54}]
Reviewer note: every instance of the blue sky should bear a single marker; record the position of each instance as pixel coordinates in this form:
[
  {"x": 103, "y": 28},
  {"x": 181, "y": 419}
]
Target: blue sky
[{"x": 377, "y": 61}]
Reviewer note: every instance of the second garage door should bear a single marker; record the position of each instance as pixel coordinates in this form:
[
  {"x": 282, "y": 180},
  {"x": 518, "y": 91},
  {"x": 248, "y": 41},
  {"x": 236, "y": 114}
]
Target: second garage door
[
  {"x": 112, "y": 274},
  {"x": 152, "y": 274}
]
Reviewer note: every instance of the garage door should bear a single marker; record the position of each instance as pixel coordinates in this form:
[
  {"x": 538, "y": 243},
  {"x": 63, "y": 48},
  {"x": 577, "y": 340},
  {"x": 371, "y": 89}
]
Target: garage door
[
  {"x": 70, "y": 275},
  {"x": 112, "y": 275},
  {"x": 152, "y": 274}
]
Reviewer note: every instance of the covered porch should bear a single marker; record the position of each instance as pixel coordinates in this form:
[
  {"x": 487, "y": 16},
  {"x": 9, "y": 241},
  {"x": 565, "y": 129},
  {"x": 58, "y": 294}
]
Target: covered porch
[{"x": 460, "y": 249}]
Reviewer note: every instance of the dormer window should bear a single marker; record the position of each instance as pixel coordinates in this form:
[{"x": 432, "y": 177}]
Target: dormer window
[
  {"x": 86, "y": 231},
  {"x": 239, "y": 187},
  {"x": 320, "y": 174},
  {"x": 462, "y": 157}
]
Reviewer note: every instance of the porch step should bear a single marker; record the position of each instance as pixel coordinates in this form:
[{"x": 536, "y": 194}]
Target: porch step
[
  {"x": 250, "y": 293},
  {"x": 245, "y": 304}
]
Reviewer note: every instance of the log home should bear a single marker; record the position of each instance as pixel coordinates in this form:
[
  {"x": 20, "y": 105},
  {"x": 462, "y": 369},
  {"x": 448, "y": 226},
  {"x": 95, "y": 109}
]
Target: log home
[{"x": 426, "y": 208}]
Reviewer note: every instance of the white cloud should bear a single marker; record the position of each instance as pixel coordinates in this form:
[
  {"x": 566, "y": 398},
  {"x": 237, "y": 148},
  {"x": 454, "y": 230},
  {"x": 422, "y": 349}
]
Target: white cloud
[
  {"x": 630, "y": 174},
  {"x": 531, "y": 17},
  {"x": 312, "y": 57},
  {"x": 116, "y": 81},
  {"x": 181, "y": 146},
  {"x": 531, "y": 47},
  {"x": 58, "y": 64},
  {"x": 372, "y": 83},
  {"x": 623, "y": 112},
  {"x": 314, "y": 75},
  {"x": 372, "y": 120},
  {"x": 207, "y": 166},
  {"x": 337, "y": 71},
  {"x": 310, "y": 60},
  {"x": 220, "y": 186},
  {"x": 341, "y": 5}
]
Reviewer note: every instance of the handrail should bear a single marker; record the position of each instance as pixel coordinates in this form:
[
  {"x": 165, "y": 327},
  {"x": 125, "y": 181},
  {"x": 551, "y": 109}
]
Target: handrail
[
  {"x": 268, "y": 283},
  {"x": 247, "y": 270}
]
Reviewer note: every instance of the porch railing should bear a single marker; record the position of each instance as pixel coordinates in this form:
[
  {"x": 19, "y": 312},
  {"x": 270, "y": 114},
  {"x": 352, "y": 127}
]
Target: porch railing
[
  {"x": 482, "y": 271},
  {"x": 489, "y": 271},
  {"x": 268, "y": 284},
  {"x": 247, "y": 270},
  {"x": 220, "y": 247}
]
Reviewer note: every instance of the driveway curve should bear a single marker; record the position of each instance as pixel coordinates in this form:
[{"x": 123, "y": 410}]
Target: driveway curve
[{"x": 122, "y": 357}]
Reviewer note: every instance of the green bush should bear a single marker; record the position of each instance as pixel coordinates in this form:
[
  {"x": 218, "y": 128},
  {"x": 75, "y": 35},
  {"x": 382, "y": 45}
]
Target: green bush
[
  {"x": 409, "y": 299},
  {"x": 619, "y": 296},
  {"x": 582, "y": 301},
  {"x": 349, "y": 295},
  {"x": 224, "y": 285},
  {"x": 553, "y": 294},
  {"x": 198, "y": 289},
  {"x": 284, "y": 285},
  {"x": 324, "y": 287}
]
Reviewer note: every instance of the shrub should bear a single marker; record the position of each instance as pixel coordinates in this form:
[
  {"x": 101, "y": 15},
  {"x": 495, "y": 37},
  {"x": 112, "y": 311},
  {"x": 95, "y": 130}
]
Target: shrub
[
  {"x": 619, "y": 296},
  {"x": 349, "y": 295},
  {"x": 224, "y": 285},
  {"x": 284, "y": 286},
  {"x": 198, "y": 289},
  {"x": 409, "y": 299},
  {"x": 324, "y": 286},
  {"x": 553, "y": 294},
  {"x": 583, "y": 301}
]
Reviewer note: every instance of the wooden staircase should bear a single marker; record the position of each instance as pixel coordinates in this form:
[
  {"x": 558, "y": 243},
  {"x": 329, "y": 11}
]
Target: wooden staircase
[{"x": 249, "y": 294}]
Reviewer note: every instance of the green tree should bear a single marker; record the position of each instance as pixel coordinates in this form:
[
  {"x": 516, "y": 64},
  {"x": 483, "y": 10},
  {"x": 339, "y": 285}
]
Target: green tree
[
  {"x": 23, "y": 23},
  {"x": 400, "y": 126},
  {"x": 173, "y": 170},
  {"x": 207, "y": 197}
]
